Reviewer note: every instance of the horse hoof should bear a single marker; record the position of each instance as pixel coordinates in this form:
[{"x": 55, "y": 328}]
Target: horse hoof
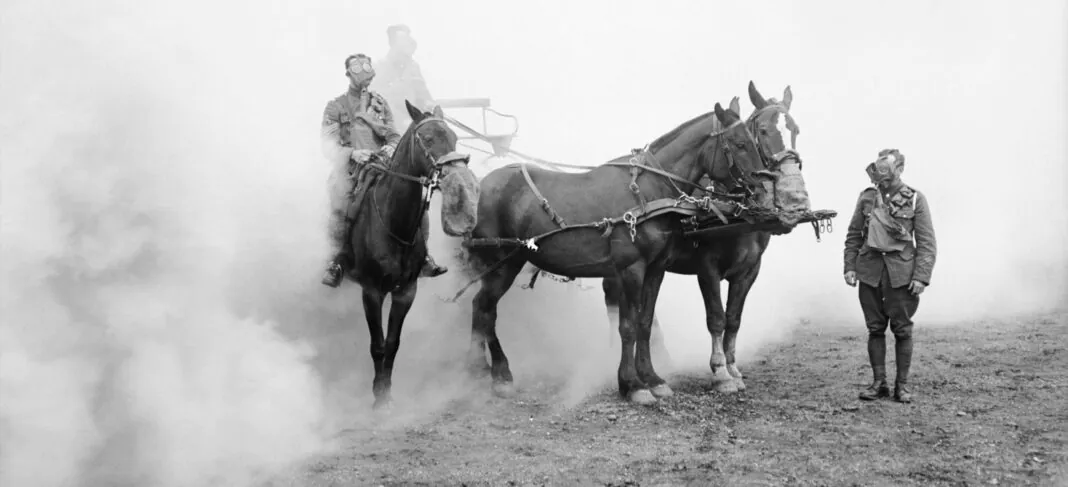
[
  {"x": 503, "y": 389},
  {"x": 663, "y": 390},
  {"x": 479, "y": 371},
  {"x": 642, "y": 397},
  {"x": 383, "y": 406},
  {"x": 739, "y": 384},
  {"x": 725, "y": 387}
]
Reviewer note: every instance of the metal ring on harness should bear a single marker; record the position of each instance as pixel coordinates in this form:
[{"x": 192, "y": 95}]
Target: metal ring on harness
[{"x": 631, "y": 220}]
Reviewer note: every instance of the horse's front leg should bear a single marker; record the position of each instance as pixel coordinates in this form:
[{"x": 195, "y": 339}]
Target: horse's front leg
[
  {"x": 654, "y": 278},
  {"x": 708, "y": 278},
  {"x": 484, "y": 325},
  {"x": 398, "y": 310},
  {"x": 372, "y": 309},
  {"x": 736, "y": 294}
]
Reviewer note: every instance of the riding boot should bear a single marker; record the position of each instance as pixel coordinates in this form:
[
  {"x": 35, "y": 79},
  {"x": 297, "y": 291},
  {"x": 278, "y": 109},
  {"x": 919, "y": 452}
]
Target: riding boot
[
  {"x": 335, "y": 269},
  {"x": 430, "y": 268},
  {"x": 877, "y": 357},
  {"x": 903, "y": 349}
]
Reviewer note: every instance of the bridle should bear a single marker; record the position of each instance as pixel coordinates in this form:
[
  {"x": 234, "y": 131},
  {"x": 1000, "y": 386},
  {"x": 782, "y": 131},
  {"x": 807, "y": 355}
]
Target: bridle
[
  {"x": 788, "y": 152},
  {"x": 430, "y": 182},
  {"x": 734, "y": 172}
]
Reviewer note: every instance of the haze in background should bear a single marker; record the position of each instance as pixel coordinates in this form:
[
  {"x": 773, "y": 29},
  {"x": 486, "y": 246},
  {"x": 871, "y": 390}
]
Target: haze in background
[{"x": 162, "y": 198}]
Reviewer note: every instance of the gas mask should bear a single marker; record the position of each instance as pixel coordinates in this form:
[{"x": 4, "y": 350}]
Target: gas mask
[{"x": 887, "y": 167}]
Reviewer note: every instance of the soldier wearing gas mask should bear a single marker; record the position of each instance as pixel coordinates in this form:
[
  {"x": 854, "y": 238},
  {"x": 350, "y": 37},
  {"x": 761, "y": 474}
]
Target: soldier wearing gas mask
[{"x": 890, "y": 251}]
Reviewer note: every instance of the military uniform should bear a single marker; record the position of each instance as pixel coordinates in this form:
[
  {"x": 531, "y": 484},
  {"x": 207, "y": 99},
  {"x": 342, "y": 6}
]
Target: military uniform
[
  {"x": 907, "y": 253},
  {"x": 357, "y": 119}
]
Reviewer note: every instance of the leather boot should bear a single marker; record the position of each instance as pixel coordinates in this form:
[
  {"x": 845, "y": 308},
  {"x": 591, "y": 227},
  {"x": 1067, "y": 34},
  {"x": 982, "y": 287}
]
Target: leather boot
[
  {"x": 878, "y": 387},
  {"x": 903, "y": 349},
  {"x": 335, "y": 269},
  {"x": 431, "y": 268},
  {"x": 877, "y": 357},
  {"x": 334, "y": 274}
]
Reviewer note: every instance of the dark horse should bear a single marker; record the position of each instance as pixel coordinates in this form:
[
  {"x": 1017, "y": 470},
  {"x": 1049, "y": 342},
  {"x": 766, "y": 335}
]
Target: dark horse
[
  {"x": 388, "y": 248},
  {"x": 736, "y": 258},
  {"x": 608, "y": 222}
]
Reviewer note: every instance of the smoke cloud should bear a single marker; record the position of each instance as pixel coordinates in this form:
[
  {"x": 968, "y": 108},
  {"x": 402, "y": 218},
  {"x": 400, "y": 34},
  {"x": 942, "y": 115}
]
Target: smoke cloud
[{"x": 164, "y": 204}]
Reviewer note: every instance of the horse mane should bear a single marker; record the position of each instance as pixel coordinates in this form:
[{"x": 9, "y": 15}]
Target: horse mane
[{"x": 669, "y": 137}]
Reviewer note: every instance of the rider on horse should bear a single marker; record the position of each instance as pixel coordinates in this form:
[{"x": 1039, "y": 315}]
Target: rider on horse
[
  {"x": 357, "y": 127},
  {"x": 399, "y": 78}
]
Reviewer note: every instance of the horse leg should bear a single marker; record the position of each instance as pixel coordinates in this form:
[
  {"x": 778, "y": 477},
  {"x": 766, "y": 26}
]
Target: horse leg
[
  {"x": 708, "y": 280},
  {"x": 612, "y": 296},
  {"x": 654, "y": 277},
  {"x": 372, "y": 309},
  {"x": 660, "y": 352},
  {"x": 736, "y": 294},
  {"x": 484, "y": 325},
  {"x": 398, "y": 310},
  {"x": 630, "y": 385}
]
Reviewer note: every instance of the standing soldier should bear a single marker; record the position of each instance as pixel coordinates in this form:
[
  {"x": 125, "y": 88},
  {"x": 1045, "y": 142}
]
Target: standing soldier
[
  {"x": 357, "y": 126},
  {"x": 399, "y": 77},
  {"x": 890, "y": 249}
]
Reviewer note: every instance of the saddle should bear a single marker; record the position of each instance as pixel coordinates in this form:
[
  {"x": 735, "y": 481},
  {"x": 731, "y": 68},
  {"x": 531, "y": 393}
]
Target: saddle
[{"x": 363, "y": 178}]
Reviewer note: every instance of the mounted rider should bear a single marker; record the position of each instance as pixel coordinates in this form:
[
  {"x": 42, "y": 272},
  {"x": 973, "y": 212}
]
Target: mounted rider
[
  {"x": 400, "y": 78},
  {"x": 357, "y": 128}
]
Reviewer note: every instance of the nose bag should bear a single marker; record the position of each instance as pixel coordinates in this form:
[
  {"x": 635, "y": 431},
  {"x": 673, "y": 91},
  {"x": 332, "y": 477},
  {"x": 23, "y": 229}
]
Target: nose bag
[{"x": 790, "y": 192}]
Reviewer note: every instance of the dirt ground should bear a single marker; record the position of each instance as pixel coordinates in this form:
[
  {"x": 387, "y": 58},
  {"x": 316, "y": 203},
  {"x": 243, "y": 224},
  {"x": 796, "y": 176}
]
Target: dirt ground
[{"x": 990, "y": 408}]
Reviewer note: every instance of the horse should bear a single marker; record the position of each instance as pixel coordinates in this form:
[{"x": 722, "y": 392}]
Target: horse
[
  {"x": 632, "y": 220},
  {"x": 388, "y": 251},
  {"x": 734, "y": 258}
]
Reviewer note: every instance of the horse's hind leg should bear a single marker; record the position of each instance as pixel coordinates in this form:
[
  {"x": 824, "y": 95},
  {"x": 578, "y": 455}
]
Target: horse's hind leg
[
  {"x": 484, "y": 325},
  {"x": 630, "y": 384},
  {"x": 654, "y": 277},
  {"x": 612, "y": 296},
  {"x": 372, "y": 309}
]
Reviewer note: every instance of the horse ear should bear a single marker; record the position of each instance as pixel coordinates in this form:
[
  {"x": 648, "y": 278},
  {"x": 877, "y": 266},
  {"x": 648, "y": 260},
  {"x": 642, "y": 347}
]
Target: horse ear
[
  {"x": 736, "y": 107},
  {"x": 755, "y": 98},
  {"x": 722, "y": 115},
  {"x": 413, "y": 112},
  {"x": 787, "y": 97},
  {"x": 437, "y": 112}
]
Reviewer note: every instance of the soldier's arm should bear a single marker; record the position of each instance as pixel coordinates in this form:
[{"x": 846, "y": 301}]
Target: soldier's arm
[
  {"x": 854, "y": 235},
  {"x": 926, "y": 245},
  {"x": 392, "y": 136},
  {"x": 333, "y": 147}
]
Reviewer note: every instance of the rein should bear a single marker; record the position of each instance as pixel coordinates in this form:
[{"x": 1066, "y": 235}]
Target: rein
[{"x": 430, "y": 183}]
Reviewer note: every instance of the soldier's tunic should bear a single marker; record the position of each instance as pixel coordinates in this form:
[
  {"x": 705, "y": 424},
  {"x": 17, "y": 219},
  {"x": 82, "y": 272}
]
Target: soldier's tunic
[
  {"x": 398, "y": 78},
  {"x": 884, "y": 275},
  {"x": 354, "y": 120}
]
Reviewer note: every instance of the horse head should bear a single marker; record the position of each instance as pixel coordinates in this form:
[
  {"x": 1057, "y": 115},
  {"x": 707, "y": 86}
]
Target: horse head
[
  {"x": 731, "y": 159},
  {"x": 433, "y": 149},
  {"x": 776, "y": 133}
]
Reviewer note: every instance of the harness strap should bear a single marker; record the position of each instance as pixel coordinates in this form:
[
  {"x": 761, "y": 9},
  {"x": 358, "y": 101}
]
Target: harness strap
[
  {"x": 557, "y": 219},
  {"x": 633, "y": 217}
]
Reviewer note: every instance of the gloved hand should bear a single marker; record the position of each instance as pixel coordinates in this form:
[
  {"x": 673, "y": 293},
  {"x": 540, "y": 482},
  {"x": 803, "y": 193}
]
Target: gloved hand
[{"x": 361, "y": 156}]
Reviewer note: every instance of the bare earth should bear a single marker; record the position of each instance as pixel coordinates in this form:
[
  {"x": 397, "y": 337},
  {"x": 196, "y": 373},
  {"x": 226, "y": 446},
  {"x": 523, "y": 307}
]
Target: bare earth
[{"x": 990, "y": 408}]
